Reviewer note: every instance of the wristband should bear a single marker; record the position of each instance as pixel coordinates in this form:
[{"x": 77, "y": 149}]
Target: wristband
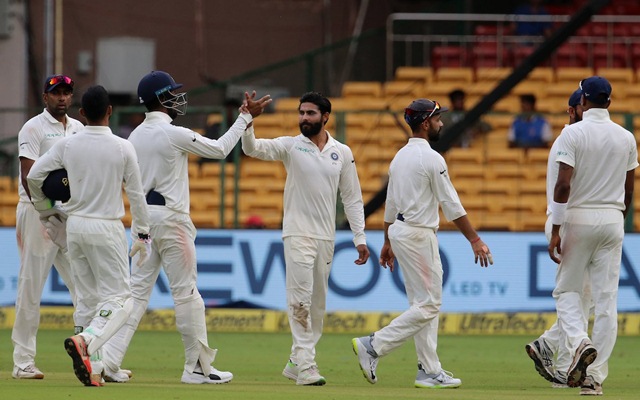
[
  {"x": 247, "y": 117},
  {"x": 475, "y": 240},
  {"x": 557, "y": 212}
]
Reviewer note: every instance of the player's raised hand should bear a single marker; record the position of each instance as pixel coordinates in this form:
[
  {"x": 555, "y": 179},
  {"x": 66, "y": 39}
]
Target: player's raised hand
[{"x": 256, "y": 107}]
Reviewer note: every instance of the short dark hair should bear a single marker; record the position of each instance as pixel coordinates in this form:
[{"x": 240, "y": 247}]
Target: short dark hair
[
  {"x": 456, "y": 94},
  {"x": 528, "y": 98},
  {"x": 318, "y": 99},
  {"x": 95, "y": 102}
]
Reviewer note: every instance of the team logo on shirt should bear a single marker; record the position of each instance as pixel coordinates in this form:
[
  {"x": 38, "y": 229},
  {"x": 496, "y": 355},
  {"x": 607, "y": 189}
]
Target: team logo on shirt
[{"x": 334, "y": 156}]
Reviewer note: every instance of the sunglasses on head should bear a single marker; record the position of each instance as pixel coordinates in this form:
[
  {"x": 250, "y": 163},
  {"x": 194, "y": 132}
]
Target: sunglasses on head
[
  {"x": 60, "y": 79},
  {"x": 411, "y": 113}
]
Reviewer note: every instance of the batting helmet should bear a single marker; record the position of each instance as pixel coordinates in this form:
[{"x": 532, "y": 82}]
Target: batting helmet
[
  {"x": 154, "y": 84},
  {"x": 56, "y": 186}
]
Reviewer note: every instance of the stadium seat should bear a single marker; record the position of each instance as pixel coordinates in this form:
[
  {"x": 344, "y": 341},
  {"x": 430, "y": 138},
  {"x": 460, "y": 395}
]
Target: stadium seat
[
  {"x": 449, "y": 56},
  {"x": 494, "y": 75},
  {"x": 287, "y": 103},
  {"x": 617, "y": 76},
  {"x": 610, "y": 56},
  {"x": 464, "y": 156},
  {"x": 542, "y": 75},
  {"x": 395, "y": 89},
  {"x": 420, "y": 75},
  {"x": 570, "y": 55},
  {"x": 490, "y": 55},
  {"x": 573, "y": 75},
  {"x": 457, "y": 76},
  {"x": 361, "y": 89},
  {"x": 214, "y": 169}
]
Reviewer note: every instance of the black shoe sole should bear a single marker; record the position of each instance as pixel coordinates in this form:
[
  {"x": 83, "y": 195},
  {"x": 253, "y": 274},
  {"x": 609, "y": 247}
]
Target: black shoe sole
[
  {"x": 577, "y": 375},
  {"x": 539, "y": 366},
  {"x": 79, "y": 368}
]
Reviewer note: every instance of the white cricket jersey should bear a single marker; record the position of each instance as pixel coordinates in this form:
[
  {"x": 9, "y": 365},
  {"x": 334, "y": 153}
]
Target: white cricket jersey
[
  {"x": 163, "y": 151},
  {"x": 601, "y": 152},
  {"x": 98, "y": 163},
  {"x": 418, "y": 182},
  {"x": 38, "y": 135},
  {"x": 313, "y": 180}
]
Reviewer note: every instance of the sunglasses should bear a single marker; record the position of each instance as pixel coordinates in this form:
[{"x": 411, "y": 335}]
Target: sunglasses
[
  {"x": 412, "y": 113},
  {"x": 60, "y": 79}
]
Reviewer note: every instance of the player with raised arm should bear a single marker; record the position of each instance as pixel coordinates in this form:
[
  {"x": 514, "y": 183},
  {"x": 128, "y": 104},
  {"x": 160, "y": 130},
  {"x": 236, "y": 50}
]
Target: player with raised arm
[
  {"x": 98, "y": 163},
  {"x": 163, "y": 151},
  {"x": 418, "y": 185},
  {"x": 317, "y": 167}
]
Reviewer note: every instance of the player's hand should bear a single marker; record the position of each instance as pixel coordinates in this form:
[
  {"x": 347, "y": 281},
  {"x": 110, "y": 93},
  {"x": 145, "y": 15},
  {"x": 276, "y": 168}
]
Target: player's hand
[
  {"x": 256, "y": 107},
  {"x": 142, "y": 246},
  {"x": 54, "y": 211},
  {"x": 554, "y": 248},
  {"x": 482, "y": 253},
  {"x": 57, "y": 231},
  {"x": 387, "y": 258},
  {"x": 363, "y": 254}
]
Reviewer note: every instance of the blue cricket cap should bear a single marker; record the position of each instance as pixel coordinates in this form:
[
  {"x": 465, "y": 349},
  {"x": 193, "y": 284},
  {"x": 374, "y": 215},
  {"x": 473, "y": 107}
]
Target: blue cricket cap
[
  {"x": 596, "y": 89},
  {"x": 574, "y": 100}
]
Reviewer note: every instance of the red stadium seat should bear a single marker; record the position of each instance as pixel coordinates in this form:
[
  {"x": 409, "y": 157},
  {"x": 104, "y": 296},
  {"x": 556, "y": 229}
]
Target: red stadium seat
[
  {"x": 449, "y": 56},
  {"x": 488, "y": 55},
  {"x": 571, "y": 55},
  {"x": 610, "y": 56}
]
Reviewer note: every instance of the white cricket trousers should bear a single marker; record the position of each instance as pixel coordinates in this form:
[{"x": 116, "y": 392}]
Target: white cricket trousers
[
  {"x": 37, "y": 254},
  {"x": 591, "y": 242},
  {"x": 417, "y": 252},
  {"x": 173, "y": 249},
  {"x": 554, "y": 337},
  {"x": 308, "y": 264},
  {"x": 100, "y": 263}
]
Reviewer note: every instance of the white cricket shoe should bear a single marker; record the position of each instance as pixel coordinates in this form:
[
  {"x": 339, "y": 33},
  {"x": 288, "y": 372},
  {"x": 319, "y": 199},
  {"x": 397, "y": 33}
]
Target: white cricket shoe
[
  {"x": 367, "y": 358},
  {"x": 310, "y": 377},
  {"x": 290, "y": 371},
  {"x": 443, "y": 380},
  {"x": 542, "y": 357},
  {"x": 119, "y": 376},
  {"x": 215, "y": 377},
  {"x": 28, "y": 372},
  {"x": 590, "y": 387}
]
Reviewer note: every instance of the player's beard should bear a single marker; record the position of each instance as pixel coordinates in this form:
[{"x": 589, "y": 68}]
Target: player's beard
[
  {"x": 310, "y": 130},
  {"x": 58, "y": 111},
  {"x": 172, "y": 113},
  {"x": 433, "y": 134},
  {"x": 577, "y": 118}
]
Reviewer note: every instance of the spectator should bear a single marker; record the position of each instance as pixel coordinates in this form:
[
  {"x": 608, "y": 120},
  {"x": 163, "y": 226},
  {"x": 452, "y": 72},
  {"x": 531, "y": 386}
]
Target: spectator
[
  {"x": 456, "y": 114},
  {"x": 529, "y": 129},
  {"x": 531, "y": 28}
]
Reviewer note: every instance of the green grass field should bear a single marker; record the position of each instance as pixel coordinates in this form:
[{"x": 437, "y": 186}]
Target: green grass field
[{"x": 490, "y": 368}]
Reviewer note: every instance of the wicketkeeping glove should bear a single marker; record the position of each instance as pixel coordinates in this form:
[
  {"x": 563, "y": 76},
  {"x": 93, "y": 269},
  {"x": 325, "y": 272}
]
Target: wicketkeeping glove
[
  {"x": 55, "y": 212},
  {"x": 57, "y": 231},
  {"x": 143, "y": 246}
]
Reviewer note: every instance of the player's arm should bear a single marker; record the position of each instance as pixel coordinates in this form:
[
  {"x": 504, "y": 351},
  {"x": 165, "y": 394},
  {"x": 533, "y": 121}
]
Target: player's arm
[
  {"x": 25, "y": 167},
  {"x": 135, "y": 192},
  {"x": 192, "y": 142},
  {"x": 628, "y": 190},
  {"x": 558, "y": 208},
  {"x": 50, "y": 161},
  {"x": 351, "y": 196},
  {"x": 266, "y": 149}
]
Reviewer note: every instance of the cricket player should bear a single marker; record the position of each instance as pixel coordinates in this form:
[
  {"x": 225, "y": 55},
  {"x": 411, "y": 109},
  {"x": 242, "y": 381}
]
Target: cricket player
[
  {"x": 418, "y": 184},
  {"x": 163, "y": 151},
  {"x": 551, "y": 344},
  {"x": 597, "y": 159},
  {"x": 98, "y": 163},
  {"x": 37, "y": 250},
  {"x": 317, "y": 166}
]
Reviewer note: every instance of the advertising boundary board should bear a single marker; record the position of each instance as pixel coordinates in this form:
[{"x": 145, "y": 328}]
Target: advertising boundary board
[
  {"x": 270, "y": 321},
  {"x": 246, "y": 267}
]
